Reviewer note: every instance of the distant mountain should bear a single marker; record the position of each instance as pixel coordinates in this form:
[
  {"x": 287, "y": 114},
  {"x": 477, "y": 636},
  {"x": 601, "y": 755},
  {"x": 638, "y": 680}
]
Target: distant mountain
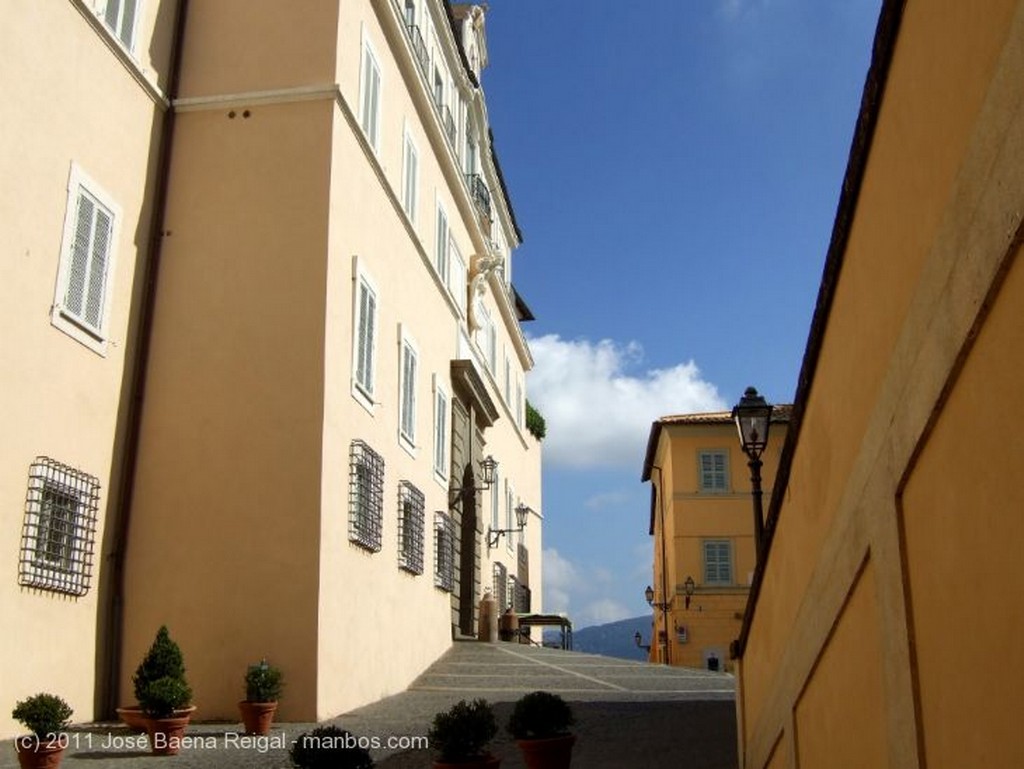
[{"x": 615, "y": 639}]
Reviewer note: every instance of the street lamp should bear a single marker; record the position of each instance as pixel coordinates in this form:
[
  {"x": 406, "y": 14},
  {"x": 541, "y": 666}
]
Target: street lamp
[
  {"x": 688, "y": 587},
  {"x": 753, "y": 417},
  {"x": 494, "y": 535},
  {"x": 663, "y": 607},
  {"x": 487, "y": 467}
]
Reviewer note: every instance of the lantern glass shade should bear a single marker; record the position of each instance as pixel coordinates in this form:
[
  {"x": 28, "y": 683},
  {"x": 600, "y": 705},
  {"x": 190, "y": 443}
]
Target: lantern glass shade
[
  {"x": 522, "y": 511},
  {"x": 487, "y": 467},
  {"x": 649, "y": 594},
  {"x": 753, "y": 417},
  {"x": 689, "y": 585}
]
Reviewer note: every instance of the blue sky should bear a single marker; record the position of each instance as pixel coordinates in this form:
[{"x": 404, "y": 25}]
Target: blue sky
[{"x": 675, "y": 167}]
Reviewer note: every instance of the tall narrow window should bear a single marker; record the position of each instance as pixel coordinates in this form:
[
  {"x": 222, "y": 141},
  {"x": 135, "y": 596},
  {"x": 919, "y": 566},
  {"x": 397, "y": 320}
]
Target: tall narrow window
[
  {"x": 59, "y": 528},
  {"x": 444, "y": 552},
  {"x": 510, "y": 515},
  {"x": 83, "y": 281},
  {"x": 496, "y": 501},
  {"x": 410, "y": 180},
  {"x": 364, "y": 342},
  {"x": 713, "y": 466},
  {"x": 718, "y": 562},
  {"x": 440, "y": 433},
  {"x": 457, "y": 276},
  {"x": 370, "y": 88},
  {"x": 366, "y": 496},
  {"x": 407, "y": 390},
  {"x": 119, "y": 18},
  {"x": 410, "y": 528},
  {"x": 441, "y": 246}
]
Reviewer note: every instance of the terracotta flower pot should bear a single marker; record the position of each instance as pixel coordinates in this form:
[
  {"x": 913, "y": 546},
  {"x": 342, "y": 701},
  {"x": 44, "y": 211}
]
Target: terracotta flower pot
[
  {"x": 133, "y": 718},
  {"x": 257, "y": 716},
  {"x": 165, "y": 733},
  {"x": 484, "y": 762},
  {"x": 38, "y": 754},
  {"x": 550, "y": 753}
]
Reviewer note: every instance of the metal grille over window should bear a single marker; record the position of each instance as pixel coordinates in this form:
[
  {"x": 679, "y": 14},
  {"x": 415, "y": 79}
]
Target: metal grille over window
[
  {"x": 60, "y": 528},
  {"x": 501, "y": 586},
  {"x": 444, "y": 551},
  {"x": 520, "y": 596},
  {"x": 410, "y": 528},
  {"x": 366, "y": 496}
]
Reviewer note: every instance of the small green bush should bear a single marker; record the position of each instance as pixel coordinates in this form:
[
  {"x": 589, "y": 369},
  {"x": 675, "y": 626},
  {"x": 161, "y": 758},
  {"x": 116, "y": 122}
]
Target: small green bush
[
  {"x": 263, "y": 682},
  {"x": 463, "y": 731},
  {"x": 329, "y": 747},
  {"x": 535, "y": 422},
  {"x": 165, "y": 695},
  {"x": 164, "y": 659},
  {"x": 539, "y": 715},
  {"x": 43, "y": 714}
]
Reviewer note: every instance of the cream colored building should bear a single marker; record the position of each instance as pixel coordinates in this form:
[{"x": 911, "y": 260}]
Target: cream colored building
[
  {"x": 702, "y": 525},
  {"x": 262, "y": 331},
  {"x": 885, "y": 626}
]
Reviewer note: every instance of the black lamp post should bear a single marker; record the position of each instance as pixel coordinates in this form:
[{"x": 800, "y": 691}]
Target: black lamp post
[{"x": 753, "y": 417}]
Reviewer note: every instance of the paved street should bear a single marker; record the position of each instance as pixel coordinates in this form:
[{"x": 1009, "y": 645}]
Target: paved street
[{"x": 628, "y": 714}]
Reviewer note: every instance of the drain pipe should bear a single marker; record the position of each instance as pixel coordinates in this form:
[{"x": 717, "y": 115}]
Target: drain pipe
[{"x": 113, "y": 619}]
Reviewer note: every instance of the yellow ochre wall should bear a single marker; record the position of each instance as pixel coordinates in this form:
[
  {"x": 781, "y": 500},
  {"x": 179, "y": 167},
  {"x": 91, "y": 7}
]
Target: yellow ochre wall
[{"x": 902, "y": 502}]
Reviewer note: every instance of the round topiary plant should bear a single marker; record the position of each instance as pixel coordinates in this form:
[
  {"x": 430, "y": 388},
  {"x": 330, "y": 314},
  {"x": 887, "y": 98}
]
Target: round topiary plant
[
  {"x": 329, "y": 747},
  {"x": 540, "y": 715},
  {"x": 463, "y": 731},
  {"x": 164, "y": 659},
  {"x": 43, "y": 714},
  {"x": 164, "y": 696},
  {"x": 263, "y": 682}
]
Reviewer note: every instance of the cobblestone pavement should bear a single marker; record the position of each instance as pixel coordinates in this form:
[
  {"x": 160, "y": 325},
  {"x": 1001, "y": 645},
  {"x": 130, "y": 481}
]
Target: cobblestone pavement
[{"x": 627, "y": 714}]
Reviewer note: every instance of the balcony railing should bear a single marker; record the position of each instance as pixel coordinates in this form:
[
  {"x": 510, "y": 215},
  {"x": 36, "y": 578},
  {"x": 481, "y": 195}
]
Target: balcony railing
[
  {"x": 418, "y": 46},
  {"x": 480, "y": 194}
]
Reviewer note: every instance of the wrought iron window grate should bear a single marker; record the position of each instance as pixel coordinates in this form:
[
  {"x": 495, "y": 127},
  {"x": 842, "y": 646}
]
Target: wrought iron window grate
[
  {"x": 500, "y": 586},
  {"x": 520, "y": 596},
  {"x": 366, "y": 496},
  {"x": 59, "y": 531},
  {"x": 410, "y": 528},
  {"x": 444, "y": 551}
]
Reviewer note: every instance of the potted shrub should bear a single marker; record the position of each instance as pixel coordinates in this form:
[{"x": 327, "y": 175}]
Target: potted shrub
[
  {"x": 263, "y": 684},
  {"x": 45, "y": 716},
  {"x": 164, "y": 694},
  {"x": 540, "y": 723},
  {"x": 164, "y": 658},
  {"x": 461, "y": 734},
  {"x": 329, "y": 747}
]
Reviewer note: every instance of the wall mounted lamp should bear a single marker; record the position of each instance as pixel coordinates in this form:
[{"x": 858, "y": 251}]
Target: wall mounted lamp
[
  {"x": 488, "y": 465},
  {"x": 494, "y": 535},
  {"x": 688, "y": 587}
]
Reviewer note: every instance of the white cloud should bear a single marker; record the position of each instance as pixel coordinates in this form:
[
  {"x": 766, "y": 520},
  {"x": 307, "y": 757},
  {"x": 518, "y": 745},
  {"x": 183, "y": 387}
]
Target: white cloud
[
  {"x": 582, "y": 592},
  {"x": 598, "y": 411}
]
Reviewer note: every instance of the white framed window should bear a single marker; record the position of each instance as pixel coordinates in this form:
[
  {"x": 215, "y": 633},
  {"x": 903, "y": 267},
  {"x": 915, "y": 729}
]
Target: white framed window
[
  {"x": 520, "y": 405},
  {"x": 364, "y": 336},
  {"x": 370, "y": 87},
  {"x": 441, "y": 244},
  {"x": 713, "y": 470},
  {"x": 496, "y": 501},
  {"x": 81, "y": 306},
  {"x": 508, "y": 381},
  {"x": 407, "y": 376},
  {"x": 444, "y": 551},
  {"x": 120, "y": 17},
  {"x": 717, "y": 562},
  {"x": 457, "y": 276},
  {"x": 440, "y": 432},
  {"x": 510, "y": 514},
  {"x": 410, "y": 177},
  {"x": 491, "y": 344},
  {"x": 59, "y": 528}
]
